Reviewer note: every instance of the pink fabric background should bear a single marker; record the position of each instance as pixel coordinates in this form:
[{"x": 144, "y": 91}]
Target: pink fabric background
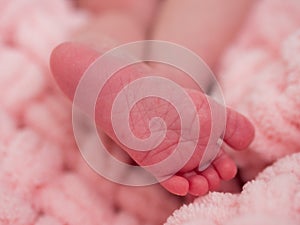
[
  {"x": 43, "y": 179},
  {"x": 260, "y": 75}
]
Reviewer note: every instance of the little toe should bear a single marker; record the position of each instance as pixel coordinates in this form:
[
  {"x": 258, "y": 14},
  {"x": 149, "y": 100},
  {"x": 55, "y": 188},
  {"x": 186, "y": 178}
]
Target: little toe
[
  {"x": 239, "y": 131},
  {"x": 212, "y": 178},
  {"x": 198, "y": 185},
  {"x": 177, "y": 185},
  {"x": 225, "y": 167}
]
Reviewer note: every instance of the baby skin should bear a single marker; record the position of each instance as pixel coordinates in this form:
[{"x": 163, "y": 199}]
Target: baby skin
[{"x": 68, "y": 63}]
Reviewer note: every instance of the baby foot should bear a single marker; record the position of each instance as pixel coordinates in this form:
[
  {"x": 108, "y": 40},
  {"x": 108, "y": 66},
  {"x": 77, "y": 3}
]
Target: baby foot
[{"x": 69, "y": 62}]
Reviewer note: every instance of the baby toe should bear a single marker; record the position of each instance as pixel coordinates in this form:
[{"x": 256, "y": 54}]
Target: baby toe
[
  {"x": 198, "y": 185},
  {"x": 239, "y": 131},
  {"x": 177, "y": 185},
  {"x": 212, "y": 178},
  {"x": 225, "y": 167}
]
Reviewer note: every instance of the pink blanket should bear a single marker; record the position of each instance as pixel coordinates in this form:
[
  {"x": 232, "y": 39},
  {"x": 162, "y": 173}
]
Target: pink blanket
[
  {"x": 261, "y": 78},
  {"x": 43, "y": 179}
]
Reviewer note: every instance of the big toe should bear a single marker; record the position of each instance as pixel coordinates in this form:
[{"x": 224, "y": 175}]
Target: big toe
[{"x": 239, "y": 131}]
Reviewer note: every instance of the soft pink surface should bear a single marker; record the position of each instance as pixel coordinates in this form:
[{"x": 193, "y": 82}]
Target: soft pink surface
[
  {"x": 43, "y": 179},
  {"x": 260, "y": 75},
  {"x": 261, "y": 78},
  {"x": 272, "y": 198}
]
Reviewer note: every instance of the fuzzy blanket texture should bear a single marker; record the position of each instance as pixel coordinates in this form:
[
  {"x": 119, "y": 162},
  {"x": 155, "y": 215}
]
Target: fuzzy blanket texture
[{"x": 45, "y": 181}]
